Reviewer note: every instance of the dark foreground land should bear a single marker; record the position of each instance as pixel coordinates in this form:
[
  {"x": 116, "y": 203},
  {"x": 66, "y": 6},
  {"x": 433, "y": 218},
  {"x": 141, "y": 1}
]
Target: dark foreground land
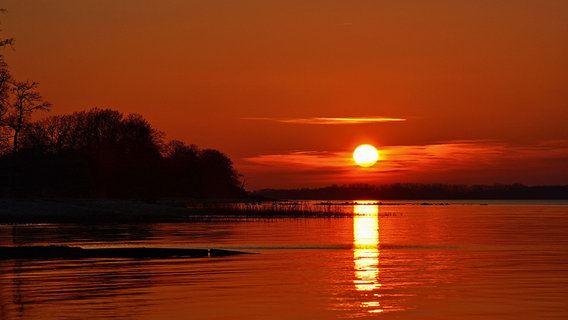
[
  {"x": 66, "y": 252},
  {"x": 68, "y": 210}
]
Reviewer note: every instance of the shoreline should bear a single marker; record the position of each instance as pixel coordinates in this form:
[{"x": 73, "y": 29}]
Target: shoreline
[
  {"x": 83, "y": 210},
  {"x": 103, "y": 211},
  {"x": 74, "y": 252}
]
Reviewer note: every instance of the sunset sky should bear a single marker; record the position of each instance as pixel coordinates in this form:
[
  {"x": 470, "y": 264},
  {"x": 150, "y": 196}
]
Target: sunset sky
[{"x": 448, "y": 91}]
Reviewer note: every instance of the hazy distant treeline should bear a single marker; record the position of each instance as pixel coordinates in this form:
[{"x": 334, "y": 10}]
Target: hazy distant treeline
[
  {"x": 103, "y": 153},
  {"x": 412, "y": 191}
]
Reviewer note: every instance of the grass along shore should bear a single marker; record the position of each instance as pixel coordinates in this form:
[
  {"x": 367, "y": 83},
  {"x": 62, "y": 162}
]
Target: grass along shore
[{"x": 83, "y": 211}]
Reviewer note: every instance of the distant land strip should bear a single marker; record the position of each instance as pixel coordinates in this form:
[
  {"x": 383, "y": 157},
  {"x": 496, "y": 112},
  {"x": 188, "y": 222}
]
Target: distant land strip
[{"x": 418, "y": 191}]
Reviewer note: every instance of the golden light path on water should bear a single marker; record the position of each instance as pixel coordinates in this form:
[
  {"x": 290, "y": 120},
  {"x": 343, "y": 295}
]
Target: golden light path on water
[{"x": 366, "y": 255}]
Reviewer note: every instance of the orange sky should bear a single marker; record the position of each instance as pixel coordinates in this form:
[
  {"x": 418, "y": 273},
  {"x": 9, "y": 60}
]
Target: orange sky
[{"x": 452, "y": 91}]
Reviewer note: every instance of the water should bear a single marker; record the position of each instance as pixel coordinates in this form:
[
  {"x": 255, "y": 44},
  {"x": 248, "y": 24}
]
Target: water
[{"x": 501, "y": 261}]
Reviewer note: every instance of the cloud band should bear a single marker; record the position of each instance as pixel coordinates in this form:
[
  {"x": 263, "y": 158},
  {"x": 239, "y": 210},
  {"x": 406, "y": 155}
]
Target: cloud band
[{"x": 330, "y": 120}]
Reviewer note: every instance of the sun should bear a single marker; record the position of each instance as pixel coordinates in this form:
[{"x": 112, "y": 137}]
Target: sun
[{"x": 365, "y": 155}]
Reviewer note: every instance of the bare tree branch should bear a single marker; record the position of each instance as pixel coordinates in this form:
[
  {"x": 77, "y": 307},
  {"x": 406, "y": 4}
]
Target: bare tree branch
[{"x": 26, "y": 100}]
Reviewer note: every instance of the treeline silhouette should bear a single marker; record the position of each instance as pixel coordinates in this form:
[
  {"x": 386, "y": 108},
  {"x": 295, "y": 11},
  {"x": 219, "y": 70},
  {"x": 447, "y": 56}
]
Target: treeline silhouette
[
  {"x": 98, "y": 153},
  {"x": 105, "y": 154},
  {"x": 413, "y": 191}
]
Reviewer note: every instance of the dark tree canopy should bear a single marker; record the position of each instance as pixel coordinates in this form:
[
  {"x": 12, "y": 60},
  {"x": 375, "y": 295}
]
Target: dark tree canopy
[
  {"x": 98, "y": 153},
  {"x": 26, "y": 100},
  {"x": 103, "y": 153}
]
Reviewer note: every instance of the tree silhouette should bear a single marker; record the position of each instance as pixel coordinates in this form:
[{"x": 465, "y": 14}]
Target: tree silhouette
[
  {"x": 181, "y": 169},
  {"x": 26, "y": 100},
  {"x": 18, "y": 100},
  {"x": 52, "y": 135},
  {"x": 98, "y": 153},
  {"x": 5, "y": 80},
  {"x": 217, "y": 173},
  {"x": 103, "y": 153},
  {"x": 204, "y": 173}
]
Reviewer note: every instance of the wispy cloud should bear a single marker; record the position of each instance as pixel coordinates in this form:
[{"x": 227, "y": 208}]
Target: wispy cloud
[
  {"x": 330, "y": 120},
  {"x": 301, "y": 160},
  {"x": 452, "y": 162}
]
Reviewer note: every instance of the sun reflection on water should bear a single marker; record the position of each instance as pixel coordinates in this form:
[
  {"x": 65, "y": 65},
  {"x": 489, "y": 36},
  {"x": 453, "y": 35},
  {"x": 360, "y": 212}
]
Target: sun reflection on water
[{"x": 366, "y": 254}]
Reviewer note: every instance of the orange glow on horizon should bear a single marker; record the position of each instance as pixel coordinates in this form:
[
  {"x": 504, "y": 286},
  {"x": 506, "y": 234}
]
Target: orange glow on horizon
[
  {"x": 282, "y": 87},
  {"x": 462, "y": 162}
]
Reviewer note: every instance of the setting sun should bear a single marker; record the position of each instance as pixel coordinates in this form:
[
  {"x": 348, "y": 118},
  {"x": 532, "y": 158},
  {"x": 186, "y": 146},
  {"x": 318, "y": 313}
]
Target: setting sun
[{"x": 365, "y": 155}]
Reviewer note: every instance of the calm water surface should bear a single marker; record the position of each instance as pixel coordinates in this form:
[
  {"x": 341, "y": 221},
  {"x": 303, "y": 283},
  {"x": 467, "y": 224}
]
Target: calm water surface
[{"x": 501, "y": 261}]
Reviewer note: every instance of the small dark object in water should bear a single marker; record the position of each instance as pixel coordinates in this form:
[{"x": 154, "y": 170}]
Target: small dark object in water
[{"x": 66, "y": 252}]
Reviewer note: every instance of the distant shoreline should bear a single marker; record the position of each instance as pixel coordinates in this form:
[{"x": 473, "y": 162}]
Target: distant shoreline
[{"x": 420, "y": 191}]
